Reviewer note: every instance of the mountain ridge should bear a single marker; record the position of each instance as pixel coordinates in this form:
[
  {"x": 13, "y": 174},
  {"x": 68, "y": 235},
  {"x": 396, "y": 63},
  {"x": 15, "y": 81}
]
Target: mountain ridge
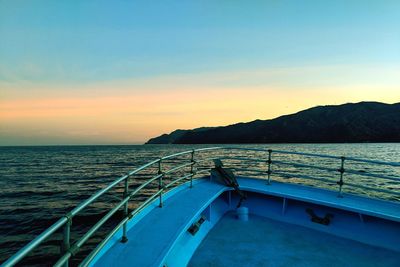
[{"x": 351, "y": 122}]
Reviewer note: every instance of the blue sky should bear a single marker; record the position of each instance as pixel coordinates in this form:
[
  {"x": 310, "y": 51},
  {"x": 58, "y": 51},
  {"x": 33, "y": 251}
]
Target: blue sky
[
  {"x": 98, "y": 54},
  {"x": 94, "y": 40}
]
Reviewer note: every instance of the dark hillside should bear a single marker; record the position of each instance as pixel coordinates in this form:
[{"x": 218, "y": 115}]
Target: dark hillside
[{"x": 360, "y": 122}]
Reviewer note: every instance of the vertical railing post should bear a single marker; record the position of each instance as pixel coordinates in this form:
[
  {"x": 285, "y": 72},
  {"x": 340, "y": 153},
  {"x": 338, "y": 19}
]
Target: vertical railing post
[
  {"x": 341, "y": 171},
  {"x": 124, "y": 238},
  {"x": 160, "y": 182},
  {"x": 192, "y": 168},
  {"x": 66, "y": 239},
  {"x": 269, "y": 161}
]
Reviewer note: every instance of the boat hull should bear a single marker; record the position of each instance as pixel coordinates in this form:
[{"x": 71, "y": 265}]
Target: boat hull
[{"x": 160, "y": 237}]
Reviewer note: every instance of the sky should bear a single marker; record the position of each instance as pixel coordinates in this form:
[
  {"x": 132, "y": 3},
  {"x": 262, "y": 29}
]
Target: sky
[{"x": 121, "y": 72}]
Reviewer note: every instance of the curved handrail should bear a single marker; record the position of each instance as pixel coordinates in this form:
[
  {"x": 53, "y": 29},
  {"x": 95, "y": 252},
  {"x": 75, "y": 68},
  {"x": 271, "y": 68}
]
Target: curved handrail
[{"x": 66, "y": 221}]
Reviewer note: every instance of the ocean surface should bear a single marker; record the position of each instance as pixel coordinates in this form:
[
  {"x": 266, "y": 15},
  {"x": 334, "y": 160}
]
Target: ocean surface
[{"x": 38, "y": 185}]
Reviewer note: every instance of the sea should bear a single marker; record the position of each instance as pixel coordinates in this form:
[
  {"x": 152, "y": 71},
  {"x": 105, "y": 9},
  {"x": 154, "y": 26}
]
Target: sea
[{"x": 39, "y": 184}]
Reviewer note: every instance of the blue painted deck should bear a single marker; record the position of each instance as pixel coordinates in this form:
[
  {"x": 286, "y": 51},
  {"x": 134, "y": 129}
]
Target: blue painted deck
[
  {"x": 367, "y": 206},
  {"x": 154, "y": 235},
  {"x": 266, "y": 242},
  {"x": 152, "y": 238}
]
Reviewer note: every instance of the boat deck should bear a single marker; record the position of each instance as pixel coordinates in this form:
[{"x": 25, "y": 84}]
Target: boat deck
[
  {"x": 154, "y": 235},
  {"x": 367, "y": 206},
  {"x": 265, "y": 242}
]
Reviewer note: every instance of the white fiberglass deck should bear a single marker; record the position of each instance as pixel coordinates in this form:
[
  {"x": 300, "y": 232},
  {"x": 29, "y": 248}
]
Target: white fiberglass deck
[
  {"x": 155, "y": 234},
  {"x": 265, "y": 242}
]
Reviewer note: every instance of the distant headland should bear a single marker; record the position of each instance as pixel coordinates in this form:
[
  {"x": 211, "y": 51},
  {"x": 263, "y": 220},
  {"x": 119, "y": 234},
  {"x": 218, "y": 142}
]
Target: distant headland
[{"x": 352, "y": 122}]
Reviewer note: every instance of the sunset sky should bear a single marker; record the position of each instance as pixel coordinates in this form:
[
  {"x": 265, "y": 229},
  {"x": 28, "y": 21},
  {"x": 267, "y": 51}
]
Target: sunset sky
[{"x": 121, "y": 72}]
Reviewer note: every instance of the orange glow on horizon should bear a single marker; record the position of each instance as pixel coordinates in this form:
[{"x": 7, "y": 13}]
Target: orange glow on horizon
[{"x": 138, "y": 116}]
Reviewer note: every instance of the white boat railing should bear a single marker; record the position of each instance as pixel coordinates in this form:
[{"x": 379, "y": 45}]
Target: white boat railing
[{"x": 68, "y": 250}]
